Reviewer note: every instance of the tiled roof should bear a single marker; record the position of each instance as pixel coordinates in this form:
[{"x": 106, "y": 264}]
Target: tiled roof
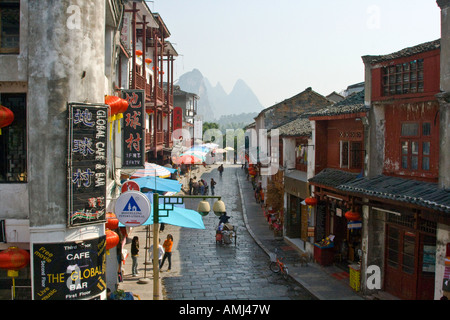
[
  {"x": 333, "y": 177},
  {"x": 298, "y": 127},
  {"x": 352, "y": 104},
  {"x": 427, "y": 46},
  {"x": 420, "y": 193}
]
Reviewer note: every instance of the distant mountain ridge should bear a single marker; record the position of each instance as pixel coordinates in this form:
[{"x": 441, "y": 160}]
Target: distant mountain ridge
[{"x": 214, "y": 101}]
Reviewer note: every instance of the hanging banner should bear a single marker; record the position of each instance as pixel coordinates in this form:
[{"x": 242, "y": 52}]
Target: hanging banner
[
  {"x": 177, "y": 118},
  {"x": 133, "y": 133},
  {"x": 69, "y": 270},
  {"x": 87, "y": 154}
]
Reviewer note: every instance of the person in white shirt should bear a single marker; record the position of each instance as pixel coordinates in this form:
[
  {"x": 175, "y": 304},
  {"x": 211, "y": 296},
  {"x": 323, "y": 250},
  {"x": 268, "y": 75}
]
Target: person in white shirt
[{"x": 160, "y": 251}]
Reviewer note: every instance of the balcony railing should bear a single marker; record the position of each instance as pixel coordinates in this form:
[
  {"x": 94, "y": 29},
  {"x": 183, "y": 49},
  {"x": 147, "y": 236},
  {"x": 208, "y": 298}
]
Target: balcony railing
[
  {"x": 159, "y": 138},
  {"x": 169, "y": 99},
  {"x": 149, "y": 139},
  {"x": 168, "y": 139},
  {"x": 142, "y": 84},
  {"x": 159, "y": 92}
]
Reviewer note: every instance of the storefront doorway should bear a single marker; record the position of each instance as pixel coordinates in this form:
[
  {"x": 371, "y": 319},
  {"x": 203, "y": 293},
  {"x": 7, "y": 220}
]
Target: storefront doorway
[
  {"x": 410, "y": 261},
  {"x": 293, "y": 227}
]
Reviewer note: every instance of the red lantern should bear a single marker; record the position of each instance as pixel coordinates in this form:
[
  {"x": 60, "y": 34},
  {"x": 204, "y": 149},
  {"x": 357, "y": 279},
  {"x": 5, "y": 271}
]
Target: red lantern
[
  {"x": 148, "y": 60},
  {"x": 124, "y": 106},
  {"x": 14, "y": 258},
  {"x": 139, "y": 53},
  {"x": 112, "y": 239},
  {"x": 112, "y": 222},
  {"x": 115, "y": 103},
  {"x": 6, "y": 117},
  {"x": 352, "y": 215},
  {"x": 311, "y": 201}
]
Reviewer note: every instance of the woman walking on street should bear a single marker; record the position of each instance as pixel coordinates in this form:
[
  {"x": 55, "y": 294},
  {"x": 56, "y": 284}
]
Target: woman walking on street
[
  {"x": 134, "y": 255},
  {"x": 213, "y": 186},
  {"x": 168, "y": 243}
]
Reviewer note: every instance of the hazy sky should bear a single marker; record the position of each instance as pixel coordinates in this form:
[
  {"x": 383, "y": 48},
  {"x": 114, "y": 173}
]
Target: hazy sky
[{"x": 279, "y": 48}]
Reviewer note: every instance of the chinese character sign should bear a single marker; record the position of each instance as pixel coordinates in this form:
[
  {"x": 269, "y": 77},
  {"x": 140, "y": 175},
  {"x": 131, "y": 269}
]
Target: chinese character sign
[
  {"x": 133, "y": 134},
  {"x": 87, "y": 163},
  {"x": 177, "y": 118}
]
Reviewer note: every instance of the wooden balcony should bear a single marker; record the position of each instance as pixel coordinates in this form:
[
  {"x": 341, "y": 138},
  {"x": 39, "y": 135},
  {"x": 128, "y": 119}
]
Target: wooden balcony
[
  {"x": 149, "y": 140},
  {"x": 159, "y": 138},
  {"x": 158, "y": 93},
  {"x": 169, "y": 99},
  {"x": 168, "y": 139},
  {"x": 142, "y": 84}
]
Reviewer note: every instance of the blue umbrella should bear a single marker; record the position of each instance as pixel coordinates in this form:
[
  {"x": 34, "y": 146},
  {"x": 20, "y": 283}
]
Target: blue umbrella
[
  {"x": 199, "y": 148},
  {"x": 158, "y": 184},
  {"x": 179, "y": 217}
]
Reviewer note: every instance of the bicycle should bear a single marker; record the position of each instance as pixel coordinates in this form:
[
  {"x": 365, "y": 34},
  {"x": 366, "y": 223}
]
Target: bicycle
[{"x": 276, "y": 265}]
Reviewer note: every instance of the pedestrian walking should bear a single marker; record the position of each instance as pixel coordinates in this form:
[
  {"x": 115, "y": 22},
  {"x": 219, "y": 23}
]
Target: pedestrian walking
[
  {"x": 213, "y": 186},
  {"x": 258, "y": 193},
  {"x": 134, "y": 255},
  {"x": 167, "y": 245},
  {"x": 220, "y": 169},
  {"x": 160, "y": 252},
  {"x": 195, "y": 186},
  {"x": 191, "y": 185},
  {"x": 201, "y": 187}
]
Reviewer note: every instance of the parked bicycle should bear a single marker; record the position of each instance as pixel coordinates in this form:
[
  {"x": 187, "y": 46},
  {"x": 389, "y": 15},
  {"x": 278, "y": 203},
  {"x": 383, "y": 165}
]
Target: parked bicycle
[{"x": 277, "y": 265}]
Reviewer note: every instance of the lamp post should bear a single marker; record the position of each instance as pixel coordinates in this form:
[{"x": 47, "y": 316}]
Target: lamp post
[{"x": 203, "y": 209}]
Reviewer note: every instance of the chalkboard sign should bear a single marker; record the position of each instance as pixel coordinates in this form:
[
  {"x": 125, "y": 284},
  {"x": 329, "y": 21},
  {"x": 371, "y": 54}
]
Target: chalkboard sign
[
  {"x": 69, "y": 270},
  {"x": 87, "y": 156},
  {"x": 133, "y": 156},
  {"x": 320, "y": 221}
]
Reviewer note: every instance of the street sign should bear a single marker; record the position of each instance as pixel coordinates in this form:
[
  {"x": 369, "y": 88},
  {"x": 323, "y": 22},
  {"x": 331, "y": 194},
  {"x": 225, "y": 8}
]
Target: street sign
[
  {"x": 132, "y": 208},
  {"x": 129, "y": 186},
  {"x": 133, "y": 156},
  {"x": 87, "y": 167}
]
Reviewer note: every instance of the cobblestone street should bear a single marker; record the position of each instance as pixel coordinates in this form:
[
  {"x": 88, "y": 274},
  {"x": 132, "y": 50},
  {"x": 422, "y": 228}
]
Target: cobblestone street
[{"x": 202, "y": 269}]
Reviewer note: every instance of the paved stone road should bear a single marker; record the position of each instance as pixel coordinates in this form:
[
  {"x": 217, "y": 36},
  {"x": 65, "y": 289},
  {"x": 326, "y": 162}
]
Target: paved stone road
[{"x": 203, "y": 270}]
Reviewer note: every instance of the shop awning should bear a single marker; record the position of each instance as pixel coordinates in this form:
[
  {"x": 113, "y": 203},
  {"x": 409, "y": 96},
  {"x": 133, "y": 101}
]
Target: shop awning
[
  {"x": 332, "y": 177},
  {"x": 420, "y": 193}
]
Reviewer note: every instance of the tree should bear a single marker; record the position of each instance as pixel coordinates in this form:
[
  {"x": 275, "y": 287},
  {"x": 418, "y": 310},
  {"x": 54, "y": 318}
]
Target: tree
[{"x": 210, "y": 125}]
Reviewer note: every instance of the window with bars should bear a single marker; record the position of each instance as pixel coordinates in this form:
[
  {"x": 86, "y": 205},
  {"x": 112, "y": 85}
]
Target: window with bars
[
  {"x": 13, "y": 140},
  {"x": 351, "y": 154},
  {"x": 403, "y": 78},
  {"x": 9, "y": 26},
  {"x": 415, "y": 145}
]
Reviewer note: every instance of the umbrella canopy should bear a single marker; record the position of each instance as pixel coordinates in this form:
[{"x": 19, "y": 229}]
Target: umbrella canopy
[
  {"x": 211, "y": 145},
  {"x": 180, "y": 217},
  {"x": 199, "y": 154},
  {"x": 151, "y": 169},
  {"x": 188, "y": 159},
  {"x": 229, "y": 148},
  {"x": 220, "y": 150},
  {"x": 158, "y": 184},
  {"x": 200, "y": 148}
]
